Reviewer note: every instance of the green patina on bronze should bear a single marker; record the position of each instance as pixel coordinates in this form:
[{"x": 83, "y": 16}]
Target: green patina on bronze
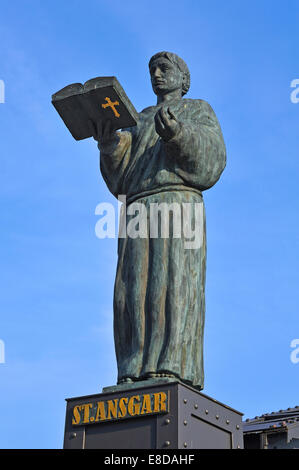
[{"x": 175, "y": 152}]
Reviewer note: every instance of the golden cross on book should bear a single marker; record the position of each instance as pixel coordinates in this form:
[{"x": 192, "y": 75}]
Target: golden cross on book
[{"x": 111, "y": 105}]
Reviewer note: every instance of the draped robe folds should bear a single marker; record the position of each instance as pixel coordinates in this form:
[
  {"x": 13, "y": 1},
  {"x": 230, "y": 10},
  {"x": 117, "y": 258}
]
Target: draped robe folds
[{"x": 159, "y": 293}]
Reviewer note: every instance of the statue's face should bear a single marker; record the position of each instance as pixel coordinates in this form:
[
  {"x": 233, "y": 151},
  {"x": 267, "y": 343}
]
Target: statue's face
[{"x": 165, "y": 76}]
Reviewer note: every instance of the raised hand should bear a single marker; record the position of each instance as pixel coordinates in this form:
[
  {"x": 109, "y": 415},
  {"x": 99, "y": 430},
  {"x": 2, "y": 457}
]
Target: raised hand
[
  {"x": 104, "y": 134},
  {"x": 167, "y": 125}
]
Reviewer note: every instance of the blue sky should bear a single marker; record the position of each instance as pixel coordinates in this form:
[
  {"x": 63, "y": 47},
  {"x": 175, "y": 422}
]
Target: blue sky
[{"x": 57, "y": 277}]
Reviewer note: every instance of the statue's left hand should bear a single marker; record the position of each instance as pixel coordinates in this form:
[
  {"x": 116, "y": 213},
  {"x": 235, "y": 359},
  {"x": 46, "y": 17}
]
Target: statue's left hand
[
  {"x": 104, "y": 134},
  {"x": 167, "y": 125}
]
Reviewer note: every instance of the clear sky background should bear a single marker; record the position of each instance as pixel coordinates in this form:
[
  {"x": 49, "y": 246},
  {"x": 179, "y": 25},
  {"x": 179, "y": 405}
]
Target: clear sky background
[{"x": 57, "y": 277}]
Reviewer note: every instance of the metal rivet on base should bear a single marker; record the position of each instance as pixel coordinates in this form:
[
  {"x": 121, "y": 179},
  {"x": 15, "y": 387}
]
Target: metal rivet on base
[
  {"x": 196, "y": 406},
  {"x": 185, "y": 444},
  {"x": 238, "y": 427},
  {"x": 167, "y": 443},
  {"x": 217, "y": 416},
  {"x": 185, "y": 401},
  {"x": 167, "y": 421},
  {"x": 207, "y": 412},
  {"x": 185, "y": 423},
  {"x": 73, "y": 435},
  {"x": 227, "y": 421}
]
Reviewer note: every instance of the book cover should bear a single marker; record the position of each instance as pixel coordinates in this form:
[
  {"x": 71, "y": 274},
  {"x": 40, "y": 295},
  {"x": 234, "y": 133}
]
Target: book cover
[{"x": 99, "y": 98}]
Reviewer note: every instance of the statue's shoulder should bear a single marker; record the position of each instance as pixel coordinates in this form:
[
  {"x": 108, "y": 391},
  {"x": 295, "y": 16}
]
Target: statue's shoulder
[
  {"x": 192, "y": 101},
  {"x": 197, "y": 104}
]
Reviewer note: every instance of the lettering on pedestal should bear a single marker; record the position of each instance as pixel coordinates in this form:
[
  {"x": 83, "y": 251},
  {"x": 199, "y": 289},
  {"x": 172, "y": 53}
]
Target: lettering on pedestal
[{"x": 120, "y": 408}]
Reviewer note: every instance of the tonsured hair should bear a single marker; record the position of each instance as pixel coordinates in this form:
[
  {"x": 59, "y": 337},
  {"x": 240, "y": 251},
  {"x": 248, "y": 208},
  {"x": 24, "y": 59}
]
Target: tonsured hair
[{"x": 180, "y": 63}]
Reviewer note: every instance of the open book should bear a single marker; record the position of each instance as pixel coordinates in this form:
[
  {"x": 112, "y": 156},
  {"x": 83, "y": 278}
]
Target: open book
[{"x": 99, "y": 98}]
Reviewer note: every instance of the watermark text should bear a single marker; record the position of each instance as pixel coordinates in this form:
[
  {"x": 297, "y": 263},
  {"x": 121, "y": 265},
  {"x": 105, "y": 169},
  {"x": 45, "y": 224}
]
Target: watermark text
[
  {"x": 295, "y": 93},
  {"x": 2, "y": 91},
  {"x": 155, "y": 220},
  {"x": 295, "y": 353},
  {"x": 2, "y": 352}
]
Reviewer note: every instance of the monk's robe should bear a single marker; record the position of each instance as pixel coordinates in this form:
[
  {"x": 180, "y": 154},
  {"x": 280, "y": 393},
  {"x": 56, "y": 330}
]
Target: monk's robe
[{"x": 159, "y": 293}]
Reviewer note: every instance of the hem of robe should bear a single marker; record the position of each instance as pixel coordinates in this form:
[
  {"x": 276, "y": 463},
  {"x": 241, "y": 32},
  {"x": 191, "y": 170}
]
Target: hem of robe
[{"x": 144, "y": 377}]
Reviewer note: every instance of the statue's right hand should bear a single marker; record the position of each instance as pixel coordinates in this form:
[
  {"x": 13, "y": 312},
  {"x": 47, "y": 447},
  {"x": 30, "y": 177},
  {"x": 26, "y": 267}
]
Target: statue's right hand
[{"x": 104, "y": 134}]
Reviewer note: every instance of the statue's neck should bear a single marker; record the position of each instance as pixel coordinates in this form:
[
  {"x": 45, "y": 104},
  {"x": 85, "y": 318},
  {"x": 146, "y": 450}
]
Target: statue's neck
[{"x": 174, "y": 95}]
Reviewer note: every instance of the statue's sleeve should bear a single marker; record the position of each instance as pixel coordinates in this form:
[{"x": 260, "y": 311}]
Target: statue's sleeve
[
  {"x": 114, "y": 160},
  {"x": 198, "y": 150}
]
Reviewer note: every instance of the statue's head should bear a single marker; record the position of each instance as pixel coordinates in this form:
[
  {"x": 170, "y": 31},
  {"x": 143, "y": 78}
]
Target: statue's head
[{"x": 168, "y": 72}]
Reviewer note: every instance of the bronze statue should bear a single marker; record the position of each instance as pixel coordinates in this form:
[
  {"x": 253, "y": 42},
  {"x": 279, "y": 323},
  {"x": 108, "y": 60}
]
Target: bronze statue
[{"x": 175, "y": 152}]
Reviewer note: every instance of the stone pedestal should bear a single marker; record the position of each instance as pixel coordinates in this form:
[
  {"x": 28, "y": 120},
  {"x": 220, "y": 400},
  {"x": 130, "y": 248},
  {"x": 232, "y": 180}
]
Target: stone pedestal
[{"x": 151, "y": 415}]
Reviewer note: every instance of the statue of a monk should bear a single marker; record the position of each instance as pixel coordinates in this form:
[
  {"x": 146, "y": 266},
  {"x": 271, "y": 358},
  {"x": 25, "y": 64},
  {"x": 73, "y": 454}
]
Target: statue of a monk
[{"x": 175, "y": 152}]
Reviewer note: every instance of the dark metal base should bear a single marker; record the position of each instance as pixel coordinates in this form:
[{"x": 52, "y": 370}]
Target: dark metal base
[{"x": 192, "y": 420}]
